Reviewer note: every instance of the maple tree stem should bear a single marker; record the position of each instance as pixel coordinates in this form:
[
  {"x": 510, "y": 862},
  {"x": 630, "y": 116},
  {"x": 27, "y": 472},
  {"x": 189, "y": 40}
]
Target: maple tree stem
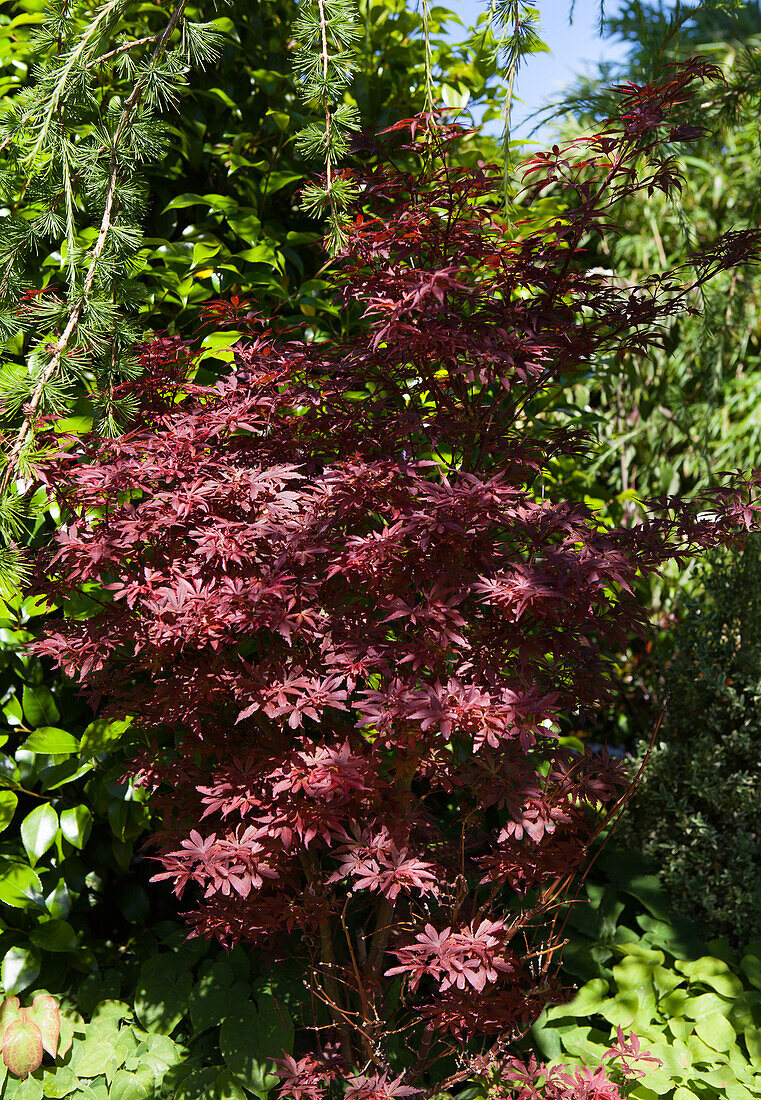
[{"x": 327, "y": 955}]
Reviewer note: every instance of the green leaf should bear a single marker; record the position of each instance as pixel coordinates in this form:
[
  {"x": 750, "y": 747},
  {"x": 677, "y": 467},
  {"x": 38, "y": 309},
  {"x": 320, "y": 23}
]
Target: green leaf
[
  {"x": 753, "y": 1043},
  {"x": 586, "y": 1002},
  {"x": 21, "y": 966},
  {"x": 51, "y": 740},
  {"x": 712, "y": 972},
  {"x": 227, "y": 1088},
  {"x": 76, "y": 825},
  {"x": 90, "y": 1057},
  {"x": 250, "y": 1037},
  {"x": 8, "y": 804},
  {"x": 101, "y": 736},
  {"x": 131, "y": 1086},
  {"x": 28, "y": 1089},
  {"x": 219, "y": 204},
  {"x": 212, "y": 1001},
  {"x": 163, "y": 992},
  {"x": 198, "y": 1085},
  {"x": 54, "y": 935},
  {"x": 60, "y": 1083},
  {"x": 38, "y": 831},
  {"x": 259, "y": 254},
  {"x": 716, "y": 1031},
  {"x": 20, "y": 886},
  {"x": 10, "y": 1010},
  {"x": 751, "y": 964},
  {"x": 39, "y": 706}
]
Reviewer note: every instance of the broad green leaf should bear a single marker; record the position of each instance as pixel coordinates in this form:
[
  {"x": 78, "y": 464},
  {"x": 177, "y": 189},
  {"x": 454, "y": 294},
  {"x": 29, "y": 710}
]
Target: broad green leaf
[
  {"x": 101, "y": 736},
  {"x": 259, "y": 254},
  {"x": 8, "y": 804},
  {"x": 227, "y": 1088},
  {"x": 163, "y": 992},
  {"x": 712, "y": 972},
  {"x": 250, "y": 1037},
  {"x": 60, "y": 774},
  {"x": 76, "y": 825},
  {"x": 60, "y": 1083},
  {"x": 716, "y": 1031},
  {"x": 29, "y": 1089},
  {"x": 212, "y": 1001},
  {"x": 705, "y": 1004},
  {"x": 131, "y": 1086},
  {"x": 20, "y": 886},
  {"x": 54, "y": 935},
  {"x": 38, "y": 831},
  {"x": 51, "y": 740},
  {"x": 198, "y": 1085},
  {"x": 753, "y": 1043},
  {"x": 751, "y": 964},
  {"x": 20, "y": 968},
  {"x": 219, "y": 204},
  {"x": 586, "y": 1002},
  {"x": 90, "y": 1057},
  {"x": 39, "y": 706}
]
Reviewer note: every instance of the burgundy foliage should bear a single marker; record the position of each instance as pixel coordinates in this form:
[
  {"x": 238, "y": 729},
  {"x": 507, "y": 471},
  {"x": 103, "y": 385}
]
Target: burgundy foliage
[{"x": 348, "y": 607}]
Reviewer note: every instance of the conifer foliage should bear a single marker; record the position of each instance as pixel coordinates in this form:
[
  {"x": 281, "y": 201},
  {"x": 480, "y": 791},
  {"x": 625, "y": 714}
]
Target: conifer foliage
[
  {"x": 75, "y": 141},
  {"x": 347, "y": 607}
]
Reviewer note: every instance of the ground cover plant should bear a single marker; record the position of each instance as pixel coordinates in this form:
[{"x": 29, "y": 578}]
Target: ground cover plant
[
  {"x": 694, "y": 1004},
  {"x": 345, "y": 604}
]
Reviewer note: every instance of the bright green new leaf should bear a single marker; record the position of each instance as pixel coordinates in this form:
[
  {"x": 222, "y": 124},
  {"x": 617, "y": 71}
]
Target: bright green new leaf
[
  {"x": 131, "y": 1086},
  {"x": 712, "y": 972},
  {"x": 8, "y": 804},
  {"x": 20, "y": 968},
  {"x": 50, "y": 739},
  {"x": 38, "y": 831},
  {"x": 20, "y": 885},
  {"x": 76, "y": 825}
]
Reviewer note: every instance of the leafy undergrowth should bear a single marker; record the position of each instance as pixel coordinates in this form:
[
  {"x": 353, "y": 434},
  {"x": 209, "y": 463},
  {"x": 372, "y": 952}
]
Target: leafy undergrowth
[
  {"x": 689, "y": 1000},
  {"x": 188, "y": 1022}
]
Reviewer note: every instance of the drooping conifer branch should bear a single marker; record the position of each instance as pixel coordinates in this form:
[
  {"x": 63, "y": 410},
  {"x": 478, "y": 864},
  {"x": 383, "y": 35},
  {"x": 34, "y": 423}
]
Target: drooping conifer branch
[
  {"x": 325, "y": 33},
  {"x": 80, "y": 149}
]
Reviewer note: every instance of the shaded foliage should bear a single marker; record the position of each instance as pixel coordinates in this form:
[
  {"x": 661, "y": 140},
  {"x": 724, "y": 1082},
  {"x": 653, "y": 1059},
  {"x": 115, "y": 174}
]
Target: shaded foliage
[{"x": 697, "y": 810}]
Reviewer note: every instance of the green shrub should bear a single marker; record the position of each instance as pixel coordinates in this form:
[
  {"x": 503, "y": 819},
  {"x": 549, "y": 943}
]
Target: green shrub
[{"x": 697, "y": 811}]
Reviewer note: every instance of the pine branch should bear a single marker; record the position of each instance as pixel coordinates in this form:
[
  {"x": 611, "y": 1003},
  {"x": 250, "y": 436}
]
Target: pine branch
[{"x": 30, "y": 408}]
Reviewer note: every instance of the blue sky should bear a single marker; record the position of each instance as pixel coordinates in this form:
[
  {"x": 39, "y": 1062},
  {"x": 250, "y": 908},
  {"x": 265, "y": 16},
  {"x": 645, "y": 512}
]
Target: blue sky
[{"x": 574, "y": 48}]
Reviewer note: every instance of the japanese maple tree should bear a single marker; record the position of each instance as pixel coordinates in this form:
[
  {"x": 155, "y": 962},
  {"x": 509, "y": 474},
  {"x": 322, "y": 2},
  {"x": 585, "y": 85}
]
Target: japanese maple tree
[{"x": 347, "y": 604}]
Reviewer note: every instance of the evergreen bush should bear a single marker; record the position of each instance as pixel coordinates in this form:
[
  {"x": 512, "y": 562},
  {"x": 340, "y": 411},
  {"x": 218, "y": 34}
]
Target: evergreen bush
[{"x": 697, "y": 810}]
